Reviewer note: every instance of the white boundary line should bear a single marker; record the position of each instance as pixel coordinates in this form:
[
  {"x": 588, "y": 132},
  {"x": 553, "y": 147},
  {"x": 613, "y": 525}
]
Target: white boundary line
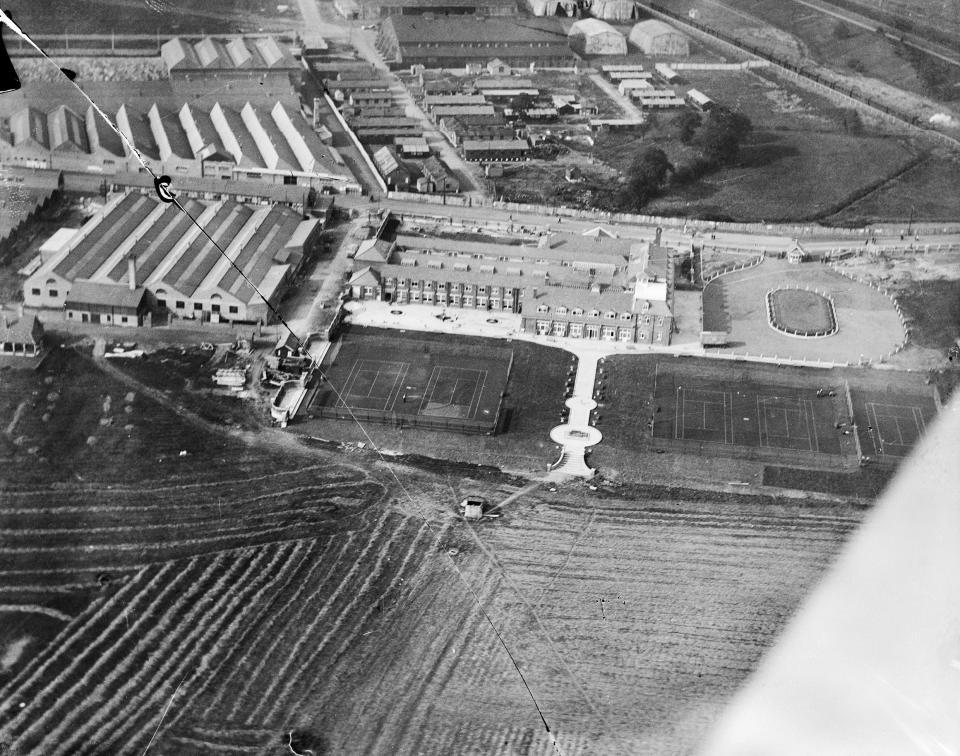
[
  {"x": 477, "y": 395},
  {"x": 389, "y": 403},
  {"x": 811, "y": 421},
  {"x": 428, "y": 389},
  {"x": 348, "y": 384}
]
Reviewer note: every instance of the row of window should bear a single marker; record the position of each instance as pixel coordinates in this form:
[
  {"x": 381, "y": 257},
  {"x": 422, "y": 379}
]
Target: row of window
[
  {"x": 609, "y": 315},
  {"x": 434, "y": 285},
  {"x": 179, "y": 304},
  {"x": 453, "y": 299},
  {"x": 583, "y": 331}
]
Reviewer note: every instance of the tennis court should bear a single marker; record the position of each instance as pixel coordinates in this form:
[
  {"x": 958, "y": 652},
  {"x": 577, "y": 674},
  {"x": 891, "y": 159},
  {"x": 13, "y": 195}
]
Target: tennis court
[
  {"x": 408, "y": 379},
  {"x": 890, "y": 424},
  {"x": 742, "y": 413}
]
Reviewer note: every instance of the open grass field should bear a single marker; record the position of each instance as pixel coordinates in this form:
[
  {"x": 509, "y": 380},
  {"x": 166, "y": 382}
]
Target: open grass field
[
  {"x": 927, "y": 192},
  {"x": 789, "y": 176},
  {"x": 402, "y": 378},
  {"x": 42, "y": 17},
  {"x": 367, "y": 641},
  {"x": 798, "y": 30},
  {"x": 220, "y": 600}
]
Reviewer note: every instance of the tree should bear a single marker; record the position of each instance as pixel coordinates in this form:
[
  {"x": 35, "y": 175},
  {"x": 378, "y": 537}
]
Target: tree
[
  {"x": 687, "y": 124},
  {"x": 842, "y": 31},
  {"x": 521, "y": 104},
  {"x": 648, "y": 172},
  {"x": 722, "y": 135}
]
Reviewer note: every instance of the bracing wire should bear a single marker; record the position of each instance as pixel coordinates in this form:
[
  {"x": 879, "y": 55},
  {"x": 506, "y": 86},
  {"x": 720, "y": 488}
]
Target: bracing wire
[{"x": 162, "y": 186}]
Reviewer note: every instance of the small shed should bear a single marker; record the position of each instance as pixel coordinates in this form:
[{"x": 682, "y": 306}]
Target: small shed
[
  {"x": 796, "y": 254},
  {"x": 472, "y": 507},
  {"x": 20, "y": 335},
  {"x": 497, "y": 67},
  {"x": 108, "y": 304}
]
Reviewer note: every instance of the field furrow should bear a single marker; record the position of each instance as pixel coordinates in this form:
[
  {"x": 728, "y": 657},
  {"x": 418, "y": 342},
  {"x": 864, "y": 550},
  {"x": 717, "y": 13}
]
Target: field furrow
[
  {"x": 215, "y": 627},
  {"x": 411, "y": 567},
  {"x": 267, "y": 635},
  {"x": 216, "y": 659},
  {"x": 283, "y": 683},
  {"x": 97, "y": 633},
  {"x": 114, "y": 642},
  {"x": 169, "y": 638},
  {"x": 307, "y": 617}
]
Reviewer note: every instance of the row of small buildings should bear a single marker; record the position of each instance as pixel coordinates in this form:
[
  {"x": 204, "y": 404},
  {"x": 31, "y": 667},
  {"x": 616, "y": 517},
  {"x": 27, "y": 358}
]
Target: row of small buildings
[
  {"x": 456, "y": 42},
  {"x": 581, "y": 287}
]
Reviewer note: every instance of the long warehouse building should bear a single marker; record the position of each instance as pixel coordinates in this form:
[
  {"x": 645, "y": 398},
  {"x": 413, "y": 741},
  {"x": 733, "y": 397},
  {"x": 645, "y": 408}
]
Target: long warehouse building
[
  {"x": 245, "y": 136},
  {"x": 139, "y": 249}
]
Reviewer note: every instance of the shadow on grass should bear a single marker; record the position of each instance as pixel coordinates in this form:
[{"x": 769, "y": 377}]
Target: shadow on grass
[{"x": 762, "y": 153}]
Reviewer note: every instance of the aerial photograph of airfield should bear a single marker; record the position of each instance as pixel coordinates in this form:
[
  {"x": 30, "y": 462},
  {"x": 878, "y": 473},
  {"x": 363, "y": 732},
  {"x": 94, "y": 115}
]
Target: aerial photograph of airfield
[{"x": 453, "y": 377}]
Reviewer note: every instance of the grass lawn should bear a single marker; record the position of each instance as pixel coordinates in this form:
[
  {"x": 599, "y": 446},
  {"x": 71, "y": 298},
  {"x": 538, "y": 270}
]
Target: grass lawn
[
  {"x": 802, "y": 311},
  {"x": 130, "y": 17},
  {"x": 934, "y": 309},
  {"x": 789, "y": 176},
  {"x": 928, "y": 192}
]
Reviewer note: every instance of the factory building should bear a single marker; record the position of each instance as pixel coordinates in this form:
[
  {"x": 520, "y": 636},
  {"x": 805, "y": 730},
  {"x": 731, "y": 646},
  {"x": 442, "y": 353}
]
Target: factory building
[
  {"x": 247, "y": 134},
  {"x": 448, "y": 42},
  {"x": 140, "y": 255}
]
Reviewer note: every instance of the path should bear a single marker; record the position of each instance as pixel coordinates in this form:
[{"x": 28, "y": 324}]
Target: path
[
  {"x": 629, "y": 109},
  {"x": 577, "y": 434}
]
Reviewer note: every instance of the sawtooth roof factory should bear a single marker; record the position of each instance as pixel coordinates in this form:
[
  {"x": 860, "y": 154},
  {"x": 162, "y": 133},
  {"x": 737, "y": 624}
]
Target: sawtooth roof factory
[
  {"x": 237, "y": 58},
  {"x": 247, "y": 133},
  {"x": 139, "y": 255}
]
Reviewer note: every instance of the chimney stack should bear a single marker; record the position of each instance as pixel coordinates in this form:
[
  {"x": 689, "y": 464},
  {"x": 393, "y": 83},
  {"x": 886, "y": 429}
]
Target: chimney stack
[
  {"x": 657, "y": 239},
  {"x": 132, "y": 272}
]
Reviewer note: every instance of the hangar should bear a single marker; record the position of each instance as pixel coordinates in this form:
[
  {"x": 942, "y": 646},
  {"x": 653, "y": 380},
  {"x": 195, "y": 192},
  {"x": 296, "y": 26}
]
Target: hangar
[
  {"x": 655, "y": 37},
  {"x": 614, "y": 10},
  {"x": 591, "y": 36}
]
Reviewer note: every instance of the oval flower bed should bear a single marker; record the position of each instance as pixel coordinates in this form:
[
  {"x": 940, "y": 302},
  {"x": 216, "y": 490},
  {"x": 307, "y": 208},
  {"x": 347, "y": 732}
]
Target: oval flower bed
[{"x": 799, "y": 312}]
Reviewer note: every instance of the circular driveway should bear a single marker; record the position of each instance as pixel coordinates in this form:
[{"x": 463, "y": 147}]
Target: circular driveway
[{"x": 868, "y": 323}]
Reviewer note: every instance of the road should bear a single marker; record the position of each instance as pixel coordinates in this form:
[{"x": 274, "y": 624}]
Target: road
[{"x": 626, "y": 105}]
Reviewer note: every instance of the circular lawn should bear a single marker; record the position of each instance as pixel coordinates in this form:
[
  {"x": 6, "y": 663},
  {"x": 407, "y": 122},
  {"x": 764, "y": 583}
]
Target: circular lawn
[{"x": 799, "y": 312}]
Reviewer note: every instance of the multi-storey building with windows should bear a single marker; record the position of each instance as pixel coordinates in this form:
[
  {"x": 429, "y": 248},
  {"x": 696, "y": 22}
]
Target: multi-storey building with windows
[{"x": 607, "y": 289}]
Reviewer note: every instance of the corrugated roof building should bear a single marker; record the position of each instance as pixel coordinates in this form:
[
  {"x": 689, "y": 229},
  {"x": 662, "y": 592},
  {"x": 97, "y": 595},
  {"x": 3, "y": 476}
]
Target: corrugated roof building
[
  {"x": 137, "y": 242},
  {"x": 240, "y": 57},
  {"x": 448, "y": 42},
  {"x": 236, "y": 138}
]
